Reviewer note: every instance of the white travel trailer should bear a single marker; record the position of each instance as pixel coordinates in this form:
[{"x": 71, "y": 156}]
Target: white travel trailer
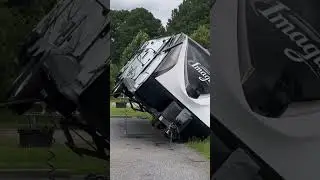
[{"x": 169, "y": 77}]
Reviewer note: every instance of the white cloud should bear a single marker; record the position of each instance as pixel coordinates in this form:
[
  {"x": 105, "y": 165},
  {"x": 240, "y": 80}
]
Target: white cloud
[{"x": 161, "y": 9}]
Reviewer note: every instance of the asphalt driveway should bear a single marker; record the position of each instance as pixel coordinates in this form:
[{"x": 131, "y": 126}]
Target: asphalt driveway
[{"x": 142, "y": 153}]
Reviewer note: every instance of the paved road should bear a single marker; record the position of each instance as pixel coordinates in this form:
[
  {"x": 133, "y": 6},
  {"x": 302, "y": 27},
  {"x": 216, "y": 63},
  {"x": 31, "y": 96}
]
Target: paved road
[{"x": 144, "y": 154}]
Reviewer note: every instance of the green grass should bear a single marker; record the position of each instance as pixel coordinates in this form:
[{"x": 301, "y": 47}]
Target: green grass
[
  {"x": 202, "y": 147},
  {"x": 8, "y": 120},
  {"x": 12, "y": 156},
  {"x": 128, "y": 111}
]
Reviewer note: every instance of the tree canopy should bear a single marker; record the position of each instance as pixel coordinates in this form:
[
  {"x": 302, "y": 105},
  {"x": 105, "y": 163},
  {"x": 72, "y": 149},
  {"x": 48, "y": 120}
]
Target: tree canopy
[
  {"x": 202, "y": 35},
  {"x": 189, "y": 16},
  {"x": 16, "y": 21},
  {"x": 126, "y": 24},
  {"x": 137, "y": 41}
]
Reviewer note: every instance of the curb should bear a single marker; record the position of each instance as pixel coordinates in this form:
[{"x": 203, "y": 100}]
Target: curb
[{"x": 33, "y": 173}]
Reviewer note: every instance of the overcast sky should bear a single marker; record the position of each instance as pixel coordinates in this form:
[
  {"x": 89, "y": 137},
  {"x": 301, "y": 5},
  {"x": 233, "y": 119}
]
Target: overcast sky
[{"x": 161, "y": 9}]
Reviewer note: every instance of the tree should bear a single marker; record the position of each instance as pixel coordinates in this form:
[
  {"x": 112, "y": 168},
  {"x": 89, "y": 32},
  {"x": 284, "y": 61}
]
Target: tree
[
  {"x": 16, "y": 22},
  {"x": 118, "y": 18},
  {"x": 125, "y": 26},
  {"x": 189, "y": 16},
  {"x": 114, "y": 70},
  {"x": 137, "y": 41},
  {"x": 202, "y": 35}
]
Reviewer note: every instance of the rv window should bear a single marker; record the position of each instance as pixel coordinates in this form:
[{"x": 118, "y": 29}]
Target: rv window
[{"x": 171, "y": 58}]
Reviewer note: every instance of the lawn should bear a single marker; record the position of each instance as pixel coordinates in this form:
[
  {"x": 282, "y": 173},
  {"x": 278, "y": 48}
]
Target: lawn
[
  {"x": 127, "y": 112},
  {"x": 8, "y": 120},
  {"x": 202, "y": 147},
  {"x": 12, "y": 156}
]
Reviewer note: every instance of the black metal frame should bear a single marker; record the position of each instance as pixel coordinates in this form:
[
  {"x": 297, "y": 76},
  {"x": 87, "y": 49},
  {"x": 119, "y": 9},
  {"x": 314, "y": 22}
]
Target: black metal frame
[{"x": 101, "y": 143}]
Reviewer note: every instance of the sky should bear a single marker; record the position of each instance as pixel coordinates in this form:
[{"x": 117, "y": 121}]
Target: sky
[{"x": 161, "y": 9}]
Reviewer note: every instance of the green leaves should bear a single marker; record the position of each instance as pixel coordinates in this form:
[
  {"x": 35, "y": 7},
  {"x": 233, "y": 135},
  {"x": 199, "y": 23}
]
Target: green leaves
[
  {"x": 114, "y": 70},
  {"x": 137, "y": 41},
  {"x": 189, "y": 16},
  {"x": 202, "y": 35},
  {"x": 126, "y": 24},
  {"x": 15, "y": 24},
  {"x": 129, "y": 29}
]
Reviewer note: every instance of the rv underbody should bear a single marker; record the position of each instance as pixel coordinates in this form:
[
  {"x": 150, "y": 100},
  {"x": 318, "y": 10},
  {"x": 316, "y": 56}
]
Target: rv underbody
[{"x": 170, "y": 115}]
